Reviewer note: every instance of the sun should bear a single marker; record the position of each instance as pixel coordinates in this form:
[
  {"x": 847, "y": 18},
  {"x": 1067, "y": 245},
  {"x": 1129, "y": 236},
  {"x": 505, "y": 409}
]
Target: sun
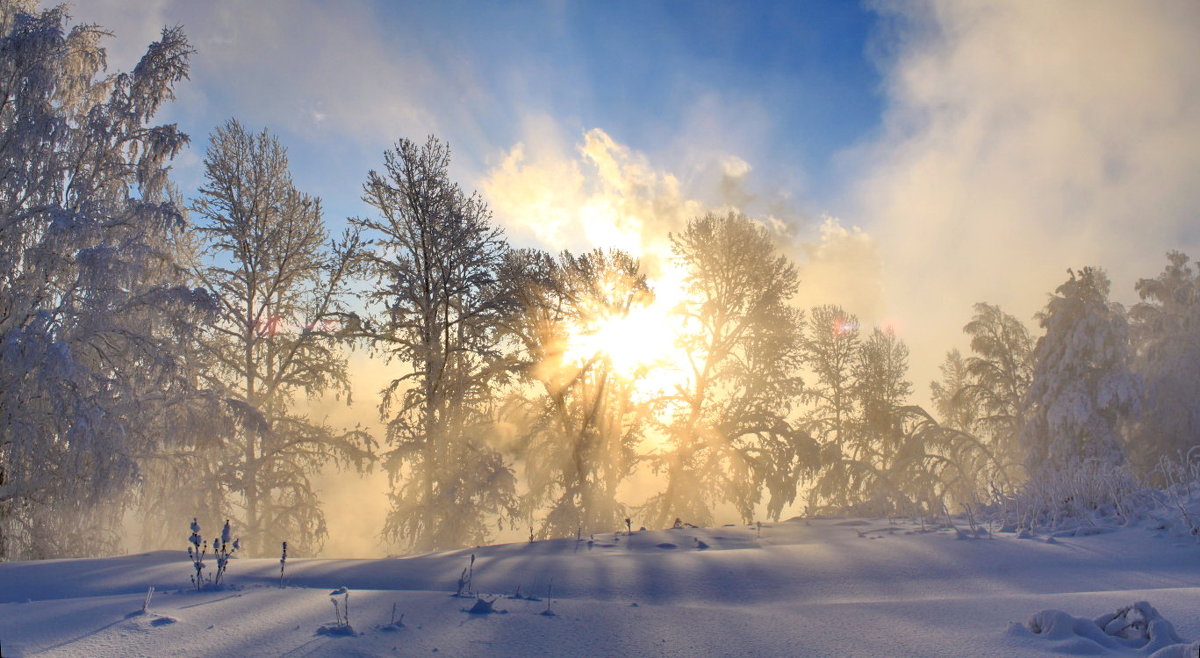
[
  {"x": 630, "y": 342},
  {"x": 640, "y": 345}
]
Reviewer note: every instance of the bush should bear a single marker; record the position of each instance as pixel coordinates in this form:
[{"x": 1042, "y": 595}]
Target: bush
[{"x": 1084, "y": 493}]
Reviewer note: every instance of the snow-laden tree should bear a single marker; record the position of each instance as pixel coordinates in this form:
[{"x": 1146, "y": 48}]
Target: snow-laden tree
[
  {"x": 830, "y": 343},
  {"x": 93, "y": 310},
  {"x": 281, "y": 285},
  {"x": 1082, "y": 392},
  {"x": 729, "y": 430},
  {"x": 581, "y": 420},
  {"x": 881, "y": 387},
  {"x": 952, "y": 397},
  {"x": 980, "y": 397},
  {"x": 435, "y": 261},
  {"x": 1165, "y": 327},
  {"x": 1000, "y": 370},
  {"x": 861, "y": 466}
]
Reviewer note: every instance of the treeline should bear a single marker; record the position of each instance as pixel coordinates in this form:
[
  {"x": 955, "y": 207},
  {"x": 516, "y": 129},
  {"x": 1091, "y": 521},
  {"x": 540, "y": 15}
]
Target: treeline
[{"x": 156, "y": 352}]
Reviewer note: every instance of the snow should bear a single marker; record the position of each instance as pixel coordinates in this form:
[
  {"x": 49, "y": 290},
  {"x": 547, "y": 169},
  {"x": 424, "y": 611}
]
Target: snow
[{"x": 804, "y": 587}]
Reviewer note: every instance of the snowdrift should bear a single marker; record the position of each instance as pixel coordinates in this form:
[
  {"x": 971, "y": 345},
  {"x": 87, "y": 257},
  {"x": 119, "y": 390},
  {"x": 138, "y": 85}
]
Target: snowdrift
[{"x": 803, "y": 587}]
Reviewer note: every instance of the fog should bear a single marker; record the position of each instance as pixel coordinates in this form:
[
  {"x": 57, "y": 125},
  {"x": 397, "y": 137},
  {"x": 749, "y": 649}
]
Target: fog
[{"x": 1015, "y": 140}]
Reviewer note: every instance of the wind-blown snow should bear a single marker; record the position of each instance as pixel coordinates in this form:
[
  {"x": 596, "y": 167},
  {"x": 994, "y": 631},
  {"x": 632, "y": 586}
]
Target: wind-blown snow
[{"x": 819, "y": 587}]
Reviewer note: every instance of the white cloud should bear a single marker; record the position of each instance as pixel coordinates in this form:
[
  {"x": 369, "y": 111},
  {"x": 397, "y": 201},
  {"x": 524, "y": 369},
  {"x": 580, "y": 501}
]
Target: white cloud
[
  {"x": 555, "y": 192},
  {"x": 304, "y": 65},
  {"x": 1022, "y": 138},
  {"x": 598, "y": 194}
]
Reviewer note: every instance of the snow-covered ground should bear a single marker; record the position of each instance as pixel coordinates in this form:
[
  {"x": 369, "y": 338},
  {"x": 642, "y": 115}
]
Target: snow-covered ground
[{"x": 800, "y": 588}]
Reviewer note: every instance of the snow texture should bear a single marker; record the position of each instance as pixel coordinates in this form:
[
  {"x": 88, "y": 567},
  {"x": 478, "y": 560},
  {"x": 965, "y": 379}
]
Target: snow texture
[{"x": 814, "y": 587}]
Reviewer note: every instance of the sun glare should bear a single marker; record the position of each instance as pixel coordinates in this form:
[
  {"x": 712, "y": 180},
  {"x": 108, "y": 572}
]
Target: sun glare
[{"x": 640, "y": 345}]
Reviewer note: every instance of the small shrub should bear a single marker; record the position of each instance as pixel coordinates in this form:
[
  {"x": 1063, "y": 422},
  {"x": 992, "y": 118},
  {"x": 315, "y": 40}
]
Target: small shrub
[
  {"x": 196, "y": 552},
  {"x": 222, "y": 548},
  {"x": 341, "y": 613},
  {"x": 464, "y": 580},
  {"x": 282, "y": 563},
  {"x": 1085, "y": 493},
  {"x": 223, "y": 551}
]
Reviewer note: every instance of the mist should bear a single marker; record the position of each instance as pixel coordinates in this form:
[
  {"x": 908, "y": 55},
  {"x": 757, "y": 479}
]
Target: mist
[{"x": 1016, "y": 154}]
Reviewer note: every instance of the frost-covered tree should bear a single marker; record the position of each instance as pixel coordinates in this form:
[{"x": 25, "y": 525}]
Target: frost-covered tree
[
  {"x": 1165, "y": 327},
  {"x": 1082, "y": 392},
  {"x": 582, "y": 421},
  {"x": 952, "y": 397},
  {"x": 281, "y": 285},
  {"x": 435, "y": 261},
  {"x": 980, "y": 397},
  {"x": 960, "y": 438},
  {"x": 93, "y": 310},
  {"x": 862, "y": 465},
  {"x": 881, "y": 387},
  {"x": 1000, "y": 370},
  {"x": 729, "y": 430},
  {"x": 831, "y": 342}
]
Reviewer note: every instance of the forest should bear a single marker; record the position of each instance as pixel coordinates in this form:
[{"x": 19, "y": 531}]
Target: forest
[{"x": 158, "y": 351}]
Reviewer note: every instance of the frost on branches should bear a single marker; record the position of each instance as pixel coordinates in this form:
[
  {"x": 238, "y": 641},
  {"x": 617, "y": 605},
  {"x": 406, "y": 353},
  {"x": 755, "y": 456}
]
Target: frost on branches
[
  {"x": 93, "y": 305},
  {"x": 1165, "y": 327},
  {"x": 435, "y": 261},
  {"x": 1083, "y": 390},
  {"x": 281, "y": 284}
]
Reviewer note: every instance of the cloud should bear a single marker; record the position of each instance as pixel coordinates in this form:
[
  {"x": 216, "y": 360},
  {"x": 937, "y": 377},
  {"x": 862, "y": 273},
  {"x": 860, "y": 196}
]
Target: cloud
[
  {"x": 306, "y": 67},
  {"x": 1022, "y": 138},
  {"x": 840, "y": 266},
  {"x": 597, "y": 194}
]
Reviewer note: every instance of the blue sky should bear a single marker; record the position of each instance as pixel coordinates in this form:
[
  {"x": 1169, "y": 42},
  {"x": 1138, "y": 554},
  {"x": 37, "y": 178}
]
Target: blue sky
[
  {"x": 796, "y": 76},
  {"x": 916, "y": 157}
]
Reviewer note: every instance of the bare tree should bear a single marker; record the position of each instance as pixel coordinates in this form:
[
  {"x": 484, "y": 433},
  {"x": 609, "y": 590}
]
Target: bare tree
[
  {"x": 435, "y": 261},
  {"x": 729, "y": 428},
  {"x": 281, "y": 285},
  {"x": 582, "y": 422}
]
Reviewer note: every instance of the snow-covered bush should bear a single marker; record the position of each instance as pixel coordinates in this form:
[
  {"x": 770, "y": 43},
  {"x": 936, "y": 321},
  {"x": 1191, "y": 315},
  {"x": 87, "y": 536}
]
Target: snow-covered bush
[
  {"x": 1179, "y": 499},
  {"x": 1138, "y": 627},
  {"x": 1092, "y": 492}
]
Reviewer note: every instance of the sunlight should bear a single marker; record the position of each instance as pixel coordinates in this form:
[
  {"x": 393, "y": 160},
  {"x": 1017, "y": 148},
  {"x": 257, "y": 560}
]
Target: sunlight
[{"x": 641, "y": 344}]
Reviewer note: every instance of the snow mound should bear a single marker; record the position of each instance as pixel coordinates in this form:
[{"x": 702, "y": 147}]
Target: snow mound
[
  {"x": 1136, "y": 629},
  {"x": 337, "y": 630}
]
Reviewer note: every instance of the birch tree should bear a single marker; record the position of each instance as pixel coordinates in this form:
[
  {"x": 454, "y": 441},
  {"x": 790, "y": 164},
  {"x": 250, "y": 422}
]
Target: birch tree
[
  {"x": 730, "y": 431},
  {"x": 281, "y": 285},
  {"x": 93, "y": 306},
  {"x": 440, "y": 310}
]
